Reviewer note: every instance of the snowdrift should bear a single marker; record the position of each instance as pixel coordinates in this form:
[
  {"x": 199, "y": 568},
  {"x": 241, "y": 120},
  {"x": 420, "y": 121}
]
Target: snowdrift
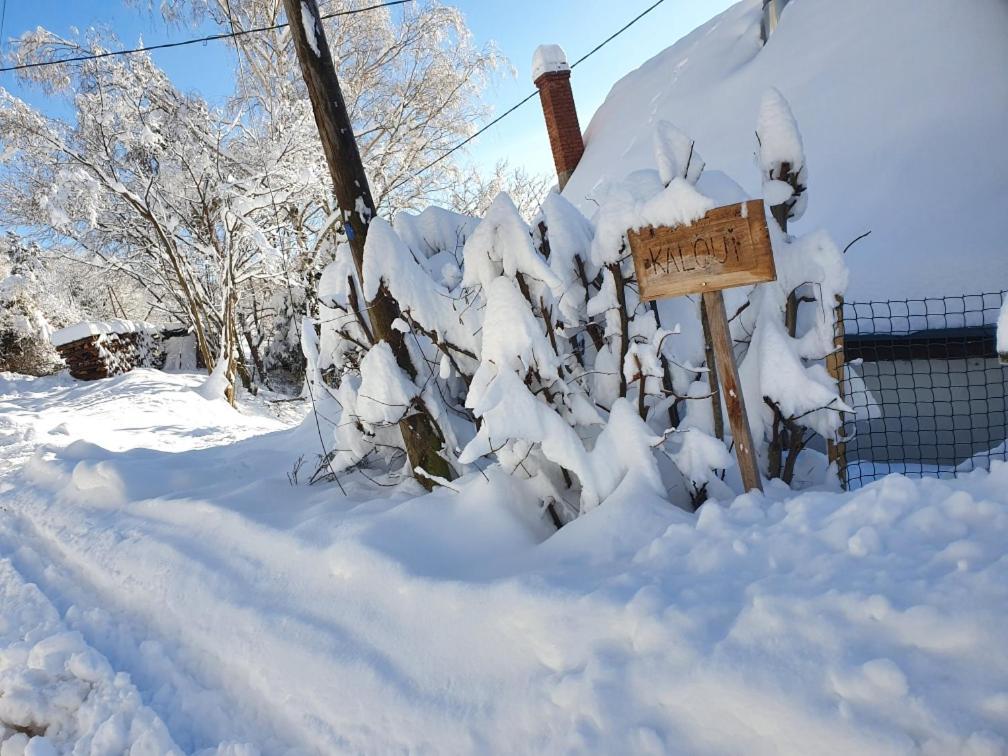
[{"x": 903, "y": 107}]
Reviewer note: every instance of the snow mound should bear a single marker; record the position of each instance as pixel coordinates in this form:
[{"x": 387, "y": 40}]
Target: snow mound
[
  {"x": 386, "y": 393},
  {"x": 894, "y": 99},
  {"x": 216, "y": 383}
]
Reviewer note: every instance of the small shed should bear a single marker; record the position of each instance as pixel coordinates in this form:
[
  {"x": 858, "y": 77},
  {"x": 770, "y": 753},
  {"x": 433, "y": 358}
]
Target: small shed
[{"x": 100, "y": 349}]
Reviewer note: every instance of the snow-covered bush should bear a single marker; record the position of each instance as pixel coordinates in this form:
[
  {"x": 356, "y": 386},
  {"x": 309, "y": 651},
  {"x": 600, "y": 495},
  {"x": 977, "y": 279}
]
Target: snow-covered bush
[
  {"x": 789, "y": 395},
  {"x": 24, "y": 328},
  {"x": 537, "y": 354},
  {"x": 282, "y": 356}
]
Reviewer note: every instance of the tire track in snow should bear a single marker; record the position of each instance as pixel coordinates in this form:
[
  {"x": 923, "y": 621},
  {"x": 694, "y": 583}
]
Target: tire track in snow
[
  {"x": 53, "y": 682},
  {"x": 199, "y": 672},
  {"x": 197, "y": 691},
  {"x": 237, "y": 657},
  {"x": 69, "y": 552}
]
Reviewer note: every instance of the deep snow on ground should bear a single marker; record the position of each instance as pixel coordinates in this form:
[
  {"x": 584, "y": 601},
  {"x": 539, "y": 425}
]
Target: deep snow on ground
[
  {"x": 162, "y": 583},
  {"x": 902, "y": 110}
]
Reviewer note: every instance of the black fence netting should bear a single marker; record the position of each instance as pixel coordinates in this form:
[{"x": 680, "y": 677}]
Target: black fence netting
[{"x": 928, "y": 392}]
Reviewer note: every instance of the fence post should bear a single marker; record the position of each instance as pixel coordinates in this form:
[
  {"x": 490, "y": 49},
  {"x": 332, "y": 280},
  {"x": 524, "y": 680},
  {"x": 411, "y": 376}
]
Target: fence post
[{"x": 836, "y": 450}]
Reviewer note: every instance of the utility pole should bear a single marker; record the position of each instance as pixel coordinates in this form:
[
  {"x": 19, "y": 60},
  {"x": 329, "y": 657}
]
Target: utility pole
[{"x": 353, "y": 194}]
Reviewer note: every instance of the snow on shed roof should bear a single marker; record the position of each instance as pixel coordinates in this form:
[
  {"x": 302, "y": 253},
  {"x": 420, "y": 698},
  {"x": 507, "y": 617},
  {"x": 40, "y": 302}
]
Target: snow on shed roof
[
  {"x": 94, "y": 328},
  {"x": 903, "y": 107}
]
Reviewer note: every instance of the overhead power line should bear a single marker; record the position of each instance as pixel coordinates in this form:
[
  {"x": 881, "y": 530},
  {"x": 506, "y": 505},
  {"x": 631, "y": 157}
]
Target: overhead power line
[
  {"x": 197, "y": 40},
  {"x": 616, "y": 33},
  {"x": 532, "y": 94}
]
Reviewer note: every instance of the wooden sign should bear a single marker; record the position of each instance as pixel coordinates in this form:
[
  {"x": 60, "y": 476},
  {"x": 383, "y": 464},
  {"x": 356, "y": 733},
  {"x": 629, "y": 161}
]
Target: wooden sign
[{"x": 729, "y": 246}]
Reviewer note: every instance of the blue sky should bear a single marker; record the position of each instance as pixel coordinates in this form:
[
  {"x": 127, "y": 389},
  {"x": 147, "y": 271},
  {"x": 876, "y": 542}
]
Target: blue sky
[{"x": 516, "y": 26}]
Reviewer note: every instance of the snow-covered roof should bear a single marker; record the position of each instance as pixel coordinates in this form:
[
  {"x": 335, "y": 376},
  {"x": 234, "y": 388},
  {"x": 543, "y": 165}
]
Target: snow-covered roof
[
  {"x": 902, "y": 110},
  {"x": 94, "y": 328},
  {"x": 548, "y": 59}
]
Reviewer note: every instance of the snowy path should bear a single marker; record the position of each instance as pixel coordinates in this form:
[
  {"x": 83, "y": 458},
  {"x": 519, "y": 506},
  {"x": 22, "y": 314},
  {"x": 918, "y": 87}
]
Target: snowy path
[
  {"x": 246, "y": 611},
  {"x": 105, "y": 590}
]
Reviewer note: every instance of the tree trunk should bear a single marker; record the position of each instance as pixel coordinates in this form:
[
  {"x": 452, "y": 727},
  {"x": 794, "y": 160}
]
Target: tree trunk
[
  {"x": 617, "y": 274},
  {"x": 420, "y": 435}
]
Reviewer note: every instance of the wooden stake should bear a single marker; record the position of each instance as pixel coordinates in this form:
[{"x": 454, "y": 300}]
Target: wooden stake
[
  {"x": 712, "y": 380},
  {"x": 836, "y": 451},
  {"x": 724, "y": 356}
]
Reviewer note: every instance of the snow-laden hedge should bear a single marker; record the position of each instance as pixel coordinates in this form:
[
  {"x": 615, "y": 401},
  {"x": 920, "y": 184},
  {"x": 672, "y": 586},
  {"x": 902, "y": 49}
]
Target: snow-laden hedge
[
  {"x": 24, "y": 326},
  {"x": 536, "y": 353}
]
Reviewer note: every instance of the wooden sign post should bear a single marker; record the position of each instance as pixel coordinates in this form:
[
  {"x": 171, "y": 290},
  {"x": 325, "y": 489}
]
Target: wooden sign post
[{"x": 729, "y": 246}]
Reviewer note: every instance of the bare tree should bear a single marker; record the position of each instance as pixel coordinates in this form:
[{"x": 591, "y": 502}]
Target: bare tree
[
  {"x": 473, "y": 194},
  {"x": 412, "y": 79},
  {"x": 223, "y": 215}
]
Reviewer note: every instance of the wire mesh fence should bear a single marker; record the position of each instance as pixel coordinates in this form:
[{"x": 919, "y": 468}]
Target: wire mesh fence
[{"x": 928, "y": 391}]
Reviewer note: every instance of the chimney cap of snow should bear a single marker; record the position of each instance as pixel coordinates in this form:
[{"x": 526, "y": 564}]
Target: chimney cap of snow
[{"x": 548, "y": 59}]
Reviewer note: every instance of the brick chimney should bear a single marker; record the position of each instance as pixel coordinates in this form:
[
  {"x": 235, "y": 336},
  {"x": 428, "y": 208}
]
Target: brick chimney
[{"x": 551, "y": 75}]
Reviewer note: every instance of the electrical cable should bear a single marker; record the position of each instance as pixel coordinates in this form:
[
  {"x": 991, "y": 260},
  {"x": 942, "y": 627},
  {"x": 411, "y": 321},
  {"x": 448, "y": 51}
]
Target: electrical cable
[
  {"x": 529, "y": 96},
  {"x": 198, "y": 40},
  {"x": 231, "y": 35}
]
